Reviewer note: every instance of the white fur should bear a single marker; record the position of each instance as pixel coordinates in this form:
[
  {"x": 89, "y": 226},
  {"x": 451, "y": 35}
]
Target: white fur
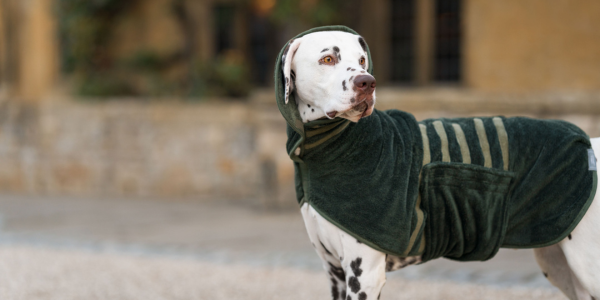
[{"x": 573, "y": 265}]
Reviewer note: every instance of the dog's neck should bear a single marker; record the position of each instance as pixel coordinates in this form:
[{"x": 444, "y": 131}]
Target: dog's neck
[{"x": 309, "y": 112}]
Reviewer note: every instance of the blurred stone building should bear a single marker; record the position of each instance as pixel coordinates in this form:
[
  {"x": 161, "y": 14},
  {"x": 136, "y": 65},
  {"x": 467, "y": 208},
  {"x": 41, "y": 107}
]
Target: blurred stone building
[
  {"x": 431, "y": 57},
  {"x": 498, "y": 46}
]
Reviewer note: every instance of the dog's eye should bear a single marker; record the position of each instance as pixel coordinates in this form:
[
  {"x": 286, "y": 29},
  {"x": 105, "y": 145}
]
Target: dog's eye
[
  {"x": 362, "y": 61},
  {"x": 327, "y": 60}
]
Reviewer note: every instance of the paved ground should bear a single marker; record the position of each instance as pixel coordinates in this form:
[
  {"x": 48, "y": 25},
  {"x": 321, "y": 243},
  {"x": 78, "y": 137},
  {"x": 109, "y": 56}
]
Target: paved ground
[{"x": 83, "y": 248}]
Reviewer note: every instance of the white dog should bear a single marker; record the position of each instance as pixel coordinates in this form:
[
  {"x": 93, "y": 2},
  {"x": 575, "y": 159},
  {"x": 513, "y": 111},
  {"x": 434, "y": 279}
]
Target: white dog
[{"x": 327, "y": 71}]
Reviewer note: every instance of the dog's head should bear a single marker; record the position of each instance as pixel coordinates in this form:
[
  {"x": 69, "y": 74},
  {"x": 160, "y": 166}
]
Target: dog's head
[{"x": 328, "y": 70}]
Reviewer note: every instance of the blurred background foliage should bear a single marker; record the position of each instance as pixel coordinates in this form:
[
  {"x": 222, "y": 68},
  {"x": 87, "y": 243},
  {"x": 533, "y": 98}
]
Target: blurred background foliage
[
  {"x": 198, "y": 49},
  {"x": 315, "y": 13},
  {"x": 85, "y": 28},
  {"x": 88, "y": 30}
]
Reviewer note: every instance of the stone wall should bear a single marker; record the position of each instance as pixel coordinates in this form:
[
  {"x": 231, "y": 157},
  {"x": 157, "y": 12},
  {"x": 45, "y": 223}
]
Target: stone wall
[
  {"x": 170, "y": 148},
  {"x": 130, "y": 148}
]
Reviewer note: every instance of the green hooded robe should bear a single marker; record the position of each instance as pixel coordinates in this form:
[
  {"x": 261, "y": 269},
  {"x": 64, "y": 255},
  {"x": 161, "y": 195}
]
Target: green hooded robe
[{"x": 455, "y": 188}]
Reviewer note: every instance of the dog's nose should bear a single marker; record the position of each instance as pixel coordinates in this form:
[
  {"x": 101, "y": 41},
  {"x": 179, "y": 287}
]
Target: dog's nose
[{"x": 365, "y": 83}]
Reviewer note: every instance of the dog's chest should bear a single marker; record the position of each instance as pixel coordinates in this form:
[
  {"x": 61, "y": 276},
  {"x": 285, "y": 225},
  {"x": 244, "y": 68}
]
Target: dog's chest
[{"x": 326, "y": 241}]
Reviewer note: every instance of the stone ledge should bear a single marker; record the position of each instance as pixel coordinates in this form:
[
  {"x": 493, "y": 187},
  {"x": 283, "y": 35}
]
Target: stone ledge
[
  {"x": 463, "y": 100},
  {"x": 173, "y": 148},
  {"x": 460, "y": 100}
]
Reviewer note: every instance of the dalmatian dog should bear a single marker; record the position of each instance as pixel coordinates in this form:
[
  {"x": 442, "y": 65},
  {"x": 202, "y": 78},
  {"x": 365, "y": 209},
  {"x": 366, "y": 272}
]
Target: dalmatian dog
[{"x": 329, "y": 77}]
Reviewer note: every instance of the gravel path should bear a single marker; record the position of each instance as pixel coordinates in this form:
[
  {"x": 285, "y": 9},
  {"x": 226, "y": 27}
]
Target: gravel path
[
  {"x": 30, "y": 273},
  {"x": 85, "y": 248}
]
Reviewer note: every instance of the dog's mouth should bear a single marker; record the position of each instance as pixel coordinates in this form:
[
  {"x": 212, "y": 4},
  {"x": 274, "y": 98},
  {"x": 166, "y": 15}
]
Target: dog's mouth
[
  {"x": 365, "y": 107},
  {"x": 362, "y": 109}
]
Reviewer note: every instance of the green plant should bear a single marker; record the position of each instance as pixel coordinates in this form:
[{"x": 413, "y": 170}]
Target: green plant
[
  {"x": 228, "y": 75},
  {"x": 103, "y": 85},
  {"x": 85, "y": 27}
]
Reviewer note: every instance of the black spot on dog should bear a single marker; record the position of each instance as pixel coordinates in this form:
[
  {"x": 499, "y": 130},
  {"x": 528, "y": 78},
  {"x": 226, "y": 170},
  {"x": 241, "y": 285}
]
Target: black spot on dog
[
  {"x": 334, "y": 282},
  {"x": 308, "y": 105},
  {"x": 324, "y": 50},
  {"x": 389, "y": 266},
  {"x": 343, "y": 295},
  {"x": 338, "y": 272},
  {"x": 335, "y": 293},
  {"x": 348, "y": 68},
  {"x": 354, "y": 284},
  {"x": 570, "y": 237},
  {"x": 287, "y": 81},
  {"x": 379, "y": 296},
  {"x": 358, "y": 241},
  {"x": 362, "y": 71},
  {"x": 353, "y": 70},
  {"x": 545, "y": 274},
  {"x": 322, "y": 242},
  {"x": 313, "y": 110},
  {"x": 362, "y": 296},
  {"x": 348, "y": 298},
  {"x": 304, "y": 113},
  {"x": 362, "y": 43},
  {"x": 350, "y": 78},
  {"x": 336, "y": 50},
  {"x": 355, "y": 265},
  {"x": 344, "y": 85}
]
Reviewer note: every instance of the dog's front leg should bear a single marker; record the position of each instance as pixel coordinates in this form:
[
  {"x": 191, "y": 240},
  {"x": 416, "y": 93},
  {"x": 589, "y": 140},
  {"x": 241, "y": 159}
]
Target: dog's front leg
[
  {"x": 365, "y": 269},
  {"x": 325, "y": 238},
  {"x": 356, "y": 270}
]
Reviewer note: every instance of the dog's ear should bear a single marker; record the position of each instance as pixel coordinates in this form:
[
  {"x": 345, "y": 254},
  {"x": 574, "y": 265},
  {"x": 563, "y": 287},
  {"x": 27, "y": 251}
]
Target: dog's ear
[
  {"x": 286, "y": 65},
  {"x": 363, "y": 45}
]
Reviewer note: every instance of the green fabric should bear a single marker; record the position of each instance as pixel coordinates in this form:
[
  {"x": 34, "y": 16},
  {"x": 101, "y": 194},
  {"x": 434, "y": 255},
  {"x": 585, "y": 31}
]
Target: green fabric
[
  {"x": 534, "y": 200},
  {"x": 408, "y": 188}
]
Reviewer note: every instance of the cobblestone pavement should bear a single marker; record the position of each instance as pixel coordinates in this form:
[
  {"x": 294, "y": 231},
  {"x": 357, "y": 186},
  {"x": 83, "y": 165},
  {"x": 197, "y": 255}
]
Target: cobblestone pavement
[{"x": 65, "y": 248}]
